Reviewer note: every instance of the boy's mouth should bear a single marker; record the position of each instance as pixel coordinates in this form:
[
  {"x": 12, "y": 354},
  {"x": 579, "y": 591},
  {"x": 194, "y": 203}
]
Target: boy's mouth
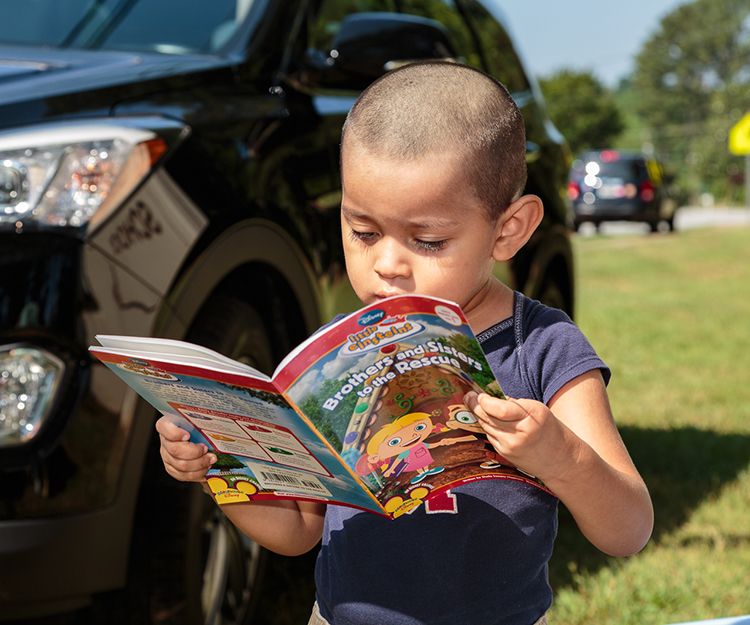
[{"x": 386, "y": 294}]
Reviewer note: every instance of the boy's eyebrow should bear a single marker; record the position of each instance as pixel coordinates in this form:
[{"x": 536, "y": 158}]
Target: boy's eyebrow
[{"x": 426, "y": 224}]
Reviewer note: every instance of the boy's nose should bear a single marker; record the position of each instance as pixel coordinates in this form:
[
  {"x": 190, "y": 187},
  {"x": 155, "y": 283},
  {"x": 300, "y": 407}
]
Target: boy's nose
[{"x": 390, "y": 260}]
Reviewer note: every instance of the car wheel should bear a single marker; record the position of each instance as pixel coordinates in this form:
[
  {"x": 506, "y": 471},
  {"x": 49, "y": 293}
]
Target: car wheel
[
  {"x": 189, "y": 563},
  {"x": 223, "y": 565},
  {"x": 552, "y": 295}
]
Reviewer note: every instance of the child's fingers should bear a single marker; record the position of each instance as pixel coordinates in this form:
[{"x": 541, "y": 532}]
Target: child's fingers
[
  {"x": 187, "y": 466},
  {"x": 169, "y": 431},
  {"x": 175, "y": 441},
  {"x": 186, "y": 476},
  {"x": 183, "y": 460},
  {"x": 489, "y": 408},
  {"x": 183, "y": 450}
]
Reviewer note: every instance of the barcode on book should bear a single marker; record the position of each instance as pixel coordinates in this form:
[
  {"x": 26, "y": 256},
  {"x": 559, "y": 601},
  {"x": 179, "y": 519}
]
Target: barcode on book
[{"x": 274, "y": 478}]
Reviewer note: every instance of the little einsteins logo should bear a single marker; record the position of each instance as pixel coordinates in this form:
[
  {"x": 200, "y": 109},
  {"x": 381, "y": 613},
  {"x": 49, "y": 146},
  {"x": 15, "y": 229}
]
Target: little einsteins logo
[
  {"x": 141, "y": 367},
  {"x": 379, "y": 335}
]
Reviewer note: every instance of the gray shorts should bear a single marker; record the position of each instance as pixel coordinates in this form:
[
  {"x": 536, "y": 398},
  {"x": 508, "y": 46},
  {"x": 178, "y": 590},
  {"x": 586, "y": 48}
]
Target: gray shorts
[{"x": 317, "y": 619}]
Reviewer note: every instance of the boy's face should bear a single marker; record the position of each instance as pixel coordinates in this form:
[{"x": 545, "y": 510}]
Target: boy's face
[{"x": 414, "y": 228}]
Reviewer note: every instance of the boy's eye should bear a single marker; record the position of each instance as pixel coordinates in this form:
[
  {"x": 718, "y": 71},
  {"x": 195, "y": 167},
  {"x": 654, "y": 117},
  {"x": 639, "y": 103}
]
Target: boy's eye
[
  {"x": 429, "y": 246},
  {"x": 357, "y": 235}
]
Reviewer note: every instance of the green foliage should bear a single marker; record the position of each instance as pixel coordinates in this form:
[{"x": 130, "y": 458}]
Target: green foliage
[
  {"x": 582, "y": 109},
  {"x": 270, "y": 398},
  {"x": 636, "y": 133},
  {"x": 225, "y": 461},
  {"x": 470, "y": 348},
  {"x": 692, "y": 84},
  {"x": 332, "y": 423}
]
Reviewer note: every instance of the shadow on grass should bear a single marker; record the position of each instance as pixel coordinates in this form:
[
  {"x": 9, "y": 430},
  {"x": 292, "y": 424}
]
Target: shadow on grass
[{"x": 681, "y": 467}]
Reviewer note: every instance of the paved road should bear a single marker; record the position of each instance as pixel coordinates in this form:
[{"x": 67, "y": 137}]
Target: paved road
[
  {"x": 686, "y": 218},
  {"x": 691, "y": 217}
]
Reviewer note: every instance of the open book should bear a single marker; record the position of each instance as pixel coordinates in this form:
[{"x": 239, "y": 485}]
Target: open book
[{"x": 367, "y": 412}]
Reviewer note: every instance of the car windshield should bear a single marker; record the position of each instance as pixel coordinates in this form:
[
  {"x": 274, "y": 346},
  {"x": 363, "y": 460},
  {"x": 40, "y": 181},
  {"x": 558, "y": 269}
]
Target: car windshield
[
  {"x": 167, "y": 26},
  {"x": 627, "y": 169}
]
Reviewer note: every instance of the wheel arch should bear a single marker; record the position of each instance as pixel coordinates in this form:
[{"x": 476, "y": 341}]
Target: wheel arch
[
  {"x": 258, "y": 262},
  {"x": 554, "y": 264},
  {"x": 253, "y": 259}
]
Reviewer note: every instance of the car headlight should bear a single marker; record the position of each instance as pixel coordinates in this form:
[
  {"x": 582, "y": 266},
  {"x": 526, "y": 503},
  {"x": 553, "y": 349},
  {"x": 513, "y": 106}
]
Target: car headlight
[
  {"x": 29, "y": 382},
  {"x": 67, "y": 175},
  {"x": 43, "y": 378}
]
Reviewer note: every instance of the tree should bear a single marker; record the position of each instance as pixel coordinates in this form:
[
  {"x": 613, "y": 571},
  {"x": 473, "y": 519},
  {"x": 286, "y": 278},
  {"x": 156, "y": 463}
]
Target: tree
[
  {"x": 582, "y": 109},
  {"x": 332, "y": 423},
  {"x": 692, "y": 82}
]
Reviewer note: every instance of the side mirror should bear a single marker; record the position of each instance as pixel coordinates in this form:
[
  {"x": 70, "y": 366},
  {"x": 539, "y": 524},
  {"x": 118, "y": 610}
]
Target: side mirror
[{"x": 368, "y": 45}]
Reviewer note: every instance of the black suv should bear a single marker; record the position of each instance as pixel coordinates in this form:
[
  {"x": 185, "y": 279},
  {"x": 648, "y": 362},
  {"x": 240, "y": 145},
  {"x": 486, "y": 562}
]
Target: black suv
[
  {"x": 170, "y": 168},
  {"x": 614, "y": 185}
]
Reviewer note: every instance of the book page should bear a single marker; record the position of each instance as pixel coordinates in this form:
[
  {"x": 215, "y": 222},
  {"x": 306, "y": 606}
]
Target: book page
[
  {"x": 264, "y": 449},
  {"x": 386, "y": 387},
  {"x": 176, "y": 350}
]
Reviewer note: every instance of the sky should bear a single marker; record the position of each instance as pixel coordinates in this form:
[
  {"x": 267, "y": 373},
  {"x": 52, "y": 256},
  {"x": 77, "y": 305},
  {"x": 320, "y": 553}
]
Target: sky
[{"x": 599, "y": 35}]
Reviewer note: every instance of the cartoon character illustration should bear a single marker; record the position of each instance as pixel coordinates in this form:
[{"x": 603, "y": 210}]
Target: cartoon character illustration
[
  {"x": 461, "y": 418},
  {"x": 402, "y": 446}
]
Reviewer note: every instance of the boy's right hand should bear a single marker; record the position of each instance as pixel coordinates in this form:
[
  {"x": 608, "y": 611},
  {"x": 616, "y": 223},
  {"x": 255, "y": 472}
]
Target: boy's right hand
[{"x": 183, "y": 460}]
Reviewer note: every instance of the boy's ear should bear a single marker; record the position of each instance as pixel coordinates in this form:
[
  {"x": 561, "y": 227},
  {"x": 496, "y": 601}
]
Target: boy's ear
[{"x": 516, "y": 225}]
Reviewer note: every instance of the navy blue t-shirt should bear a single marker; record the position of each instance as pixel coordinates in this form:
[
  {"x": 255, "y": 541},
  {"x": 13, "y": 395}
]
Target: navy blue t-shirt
[{"x": 479, "y": 553}]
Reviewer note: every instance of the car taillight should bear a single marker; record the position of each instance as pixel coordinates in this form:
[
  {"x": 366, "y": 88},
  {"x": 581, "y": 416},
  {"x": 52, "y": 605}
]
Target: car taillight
[
  {"x": 609, "y": 156},
  {"x": 647, "y": 191},
  {"x": 573, "y": 191}
]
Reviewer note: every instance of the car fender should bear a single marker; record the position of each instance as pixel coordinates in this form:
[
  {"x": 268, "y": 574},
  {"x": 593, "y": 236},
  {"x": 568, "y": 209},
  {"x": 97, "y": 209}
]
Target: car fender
[
  {"x": 253, "y": 240},
  {"x": 552, "y": 260}
]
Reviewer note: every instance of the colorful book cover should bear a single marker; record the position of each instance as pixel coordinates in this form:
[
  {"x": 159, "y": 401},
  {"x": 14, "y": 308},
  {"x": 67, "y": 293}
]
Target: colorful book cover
[{"x": 367, "y": 413}]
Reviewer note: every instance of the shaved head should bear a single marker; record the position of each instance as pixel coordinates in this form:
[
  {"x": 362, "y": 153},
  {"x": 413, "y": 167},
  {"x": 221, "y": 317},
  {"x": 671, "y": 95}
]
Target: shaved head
[{"x": 442, "y": 108}]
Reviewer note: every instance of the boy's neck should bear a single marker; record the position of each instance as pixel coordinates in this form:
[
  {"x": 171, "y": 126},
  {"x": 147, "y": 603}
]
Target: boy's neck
[{"x": 491, "y": 306}]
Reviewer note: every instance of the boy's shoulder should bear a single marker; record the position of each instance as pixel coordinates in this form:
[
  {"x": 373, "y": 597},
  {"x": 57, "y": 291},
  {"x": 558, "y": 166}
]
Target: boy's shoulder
[
  {"x": 537, "y": 350},
  {"x": 529, "y": 315},
  {"x": 533, "y": 313}
]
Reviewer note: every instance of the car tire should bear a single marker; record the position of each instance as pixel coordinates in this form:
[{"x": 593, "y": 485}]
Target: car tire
[
  {"x": 223, "y": 566},
  {"x": 278, "y": 590},
  {"x": 189, "y": 564},
  {"x": 552, "y": 295}
]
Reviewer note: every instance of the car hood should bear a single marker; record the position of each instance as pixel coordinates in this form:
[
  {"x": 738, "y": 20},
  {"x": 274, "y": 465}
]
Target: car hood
[{"x": 28, "y": 73}]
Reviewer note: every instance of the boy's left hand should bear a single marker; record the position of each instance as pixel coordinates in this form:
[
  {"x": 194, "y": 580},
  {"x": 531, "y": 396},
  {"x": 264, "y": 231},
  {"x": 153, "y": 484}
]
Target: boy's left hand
[
  {"x": 524, "y": 431},
  {"x": 574, "y": 448}
]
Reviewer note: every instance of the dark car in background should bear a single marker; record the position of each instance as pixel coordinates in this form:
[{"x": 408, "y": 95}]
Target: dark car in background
[
  {"x": 614, "y": 185},
  {"x": 170, "y": 168}
]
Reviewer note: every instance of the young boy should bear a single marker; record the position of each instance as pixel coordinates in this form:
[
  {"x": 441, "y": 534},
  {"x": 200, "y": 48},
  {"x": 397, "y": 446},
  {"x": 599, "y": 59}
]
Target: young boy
[{"x": 433, "y": 170}]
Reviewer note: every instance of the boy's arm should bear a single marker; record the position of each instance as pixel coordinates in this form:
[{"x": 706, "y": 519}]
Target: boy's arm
[
  {"x": 574, "y": 448},
  {"x": 287, "y": 527}
]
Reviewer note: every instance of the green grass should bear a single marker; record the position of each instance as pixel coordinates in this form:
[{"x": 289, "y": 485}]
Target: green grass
[{"x": 671, "y": 315}]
